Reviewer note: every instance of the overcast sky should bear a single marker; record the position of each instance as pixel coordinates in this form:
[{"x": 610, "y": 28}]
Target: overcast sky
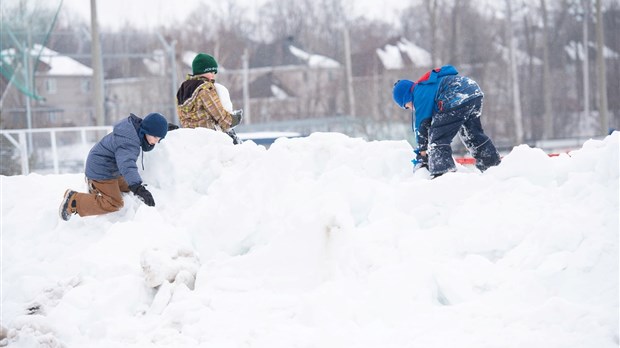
[{"x": 152, "y": 13}]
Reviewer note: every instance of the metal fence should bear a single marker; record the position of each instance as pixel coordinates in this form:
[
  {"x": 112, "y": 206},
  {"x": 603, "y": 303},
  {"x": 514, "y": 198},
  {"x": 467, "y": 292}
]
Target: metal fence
[
  {"x": 64, "y": 149},
  {"x": 48, "y": 150}
]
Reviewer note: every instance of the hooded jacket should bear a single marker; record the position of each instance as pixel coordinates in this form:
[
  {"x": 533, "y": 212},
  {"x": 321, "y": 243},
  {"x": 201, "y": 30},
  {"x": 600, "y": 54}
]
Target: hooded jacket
[
  {"x": 199, "y": 105},
  {"x": 116, "y": 154},
  {"x": 441, "y": 90},
  {"x": 425, "y": 90}
]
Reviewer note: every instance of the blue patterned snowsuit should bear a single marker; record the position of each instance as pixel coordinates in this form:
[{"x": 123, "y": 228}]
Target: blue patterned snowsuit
[{"x": 445, "y": 105}]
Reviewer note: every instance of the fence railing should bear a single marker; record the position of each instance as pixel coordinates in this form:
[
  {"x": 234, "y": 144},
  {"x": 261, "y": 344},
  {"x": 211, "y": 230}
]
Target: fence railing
[
  {"x": 64, "y": 149},
  {"x": 24, "y": 143},
  {"x": 38, "y": 150}
]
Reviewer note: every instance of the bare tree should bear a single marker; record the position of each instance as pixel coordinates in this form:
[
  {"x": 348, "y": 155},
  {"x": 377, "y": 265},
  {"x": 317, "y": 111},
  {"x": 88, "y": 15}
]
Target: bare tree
[
  {"x": 455, "y": 39},
  {"x": 546, "y": 78},
  {"x": 516, "y": 96},
  {"x": 431, "y": 8},
  {"x": 282, "y": 18}
]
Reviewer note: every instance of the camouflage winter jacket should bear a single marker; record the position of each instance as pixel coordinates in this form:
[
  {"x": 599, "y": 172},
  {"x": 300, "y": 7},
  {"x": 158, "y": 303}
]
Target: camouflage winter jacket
[{"x": 198, "y": 105}]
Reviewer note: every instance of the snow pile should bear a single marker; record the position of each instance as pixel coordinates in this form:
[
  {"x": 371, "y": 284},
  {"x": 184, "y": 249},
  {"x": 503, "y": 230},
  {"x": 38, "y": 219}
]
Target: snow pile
[{"x": 324, "y": 241}]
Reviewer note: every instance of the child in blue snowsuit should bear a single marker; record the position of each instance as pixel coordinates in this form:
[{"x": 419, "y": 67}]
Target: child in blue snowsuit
[{"x": 445, "y": 104}]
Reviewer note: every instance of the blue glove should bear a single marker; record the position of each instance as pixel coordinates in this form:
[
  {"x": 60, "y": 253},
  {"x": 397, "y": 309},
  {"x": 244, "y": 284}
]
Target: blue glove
[
  {"x": 418, "y": 165},
  {"x": 420, "y": 161}
]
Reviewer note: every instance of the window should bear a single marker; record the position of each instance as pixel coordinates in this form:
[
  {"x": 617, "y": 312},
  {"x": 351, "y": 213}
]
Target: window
[
  {"x": 86, "y": 85},
  {"x": 52, "y": 116},
  {"x": 50, "y": 86}
]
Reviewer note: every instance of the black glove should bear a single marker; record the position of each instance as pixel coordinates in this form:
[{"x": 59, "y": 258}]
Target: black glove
[
  {"x": 142, "y": 193},
  {"x": 172, "y": 126},
  {"x": 237, "y": 117}
]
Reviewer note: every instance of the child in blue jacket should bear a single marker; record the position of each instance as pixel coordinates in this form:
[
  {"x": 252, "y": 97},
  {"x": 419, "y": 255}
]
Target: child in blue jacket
[
  {"x": 111, "y": 167},
  {"x": 445, "y": 104}
]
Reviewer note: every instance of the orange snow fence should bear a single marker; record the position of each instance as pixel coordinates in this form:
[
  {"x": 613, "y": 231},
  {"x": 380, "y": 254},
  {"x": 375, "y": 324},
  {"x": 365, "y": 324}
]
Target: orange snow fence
[{"x": 472, "y": 161}]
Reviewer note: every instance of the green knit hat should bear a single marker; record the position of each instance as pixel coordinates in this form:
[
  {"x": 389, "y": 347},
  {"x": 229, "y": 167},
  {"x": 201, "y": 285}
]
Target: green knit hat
[{"x": 204, "y": 63}]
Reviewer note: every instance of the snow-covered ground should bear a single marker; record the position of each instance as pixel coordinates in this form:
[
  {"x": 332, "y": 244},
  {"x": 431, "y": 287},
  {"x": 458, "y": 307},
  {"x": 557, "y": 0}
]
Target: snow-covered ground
[{"x": 324, "y": 241}]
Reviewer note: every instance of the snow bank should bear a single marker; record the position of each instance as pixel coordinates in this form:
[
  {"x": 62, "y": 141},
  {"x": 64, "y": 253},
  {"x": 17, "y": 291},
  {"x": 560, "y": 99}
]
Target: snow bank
[{"x": 324, "y": 241}]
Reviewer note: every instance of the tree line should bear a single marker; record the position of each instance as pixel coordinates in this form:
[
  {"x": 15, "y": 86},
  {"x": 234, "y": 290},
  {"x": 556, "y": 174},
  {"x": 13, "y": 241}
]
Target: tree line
[{"x": 528, "y": 55}]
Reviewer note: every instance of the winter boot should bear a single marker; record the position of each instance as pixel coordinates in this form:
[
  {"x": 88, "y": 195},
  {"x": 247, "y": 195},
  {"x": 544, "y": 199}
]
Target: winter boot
[{"x": 68, "y": 205}]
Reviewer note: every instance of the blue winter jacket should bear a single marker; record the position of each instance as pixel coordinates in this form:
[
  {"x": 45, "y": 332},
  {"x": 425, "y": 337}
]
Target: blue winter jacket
[
  {"x": 441, "y": 90},
  {"x": 116, "y": 153}
]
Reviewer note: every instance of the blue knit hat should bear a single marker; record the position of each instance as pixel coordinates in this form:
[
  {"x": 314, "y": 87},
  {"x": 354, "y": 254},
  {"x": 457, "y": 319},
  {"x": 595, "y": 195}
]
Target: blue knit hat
[
  {"x": 154, "y": 124},
  {"x": 403, "y": 92}
]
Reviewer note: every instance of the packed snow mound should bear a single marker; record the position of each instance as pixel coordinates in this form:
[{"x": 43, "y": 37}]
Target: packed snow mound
[{"x": 323, "y": 241}]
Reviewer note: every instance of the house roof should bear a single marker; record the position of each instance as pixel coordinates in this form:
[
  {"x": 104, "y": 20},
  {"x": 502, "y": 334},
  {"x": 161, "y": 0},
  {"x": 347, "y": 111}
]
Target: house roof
[
  {"x": 395, "y": 54},
  {"x": 522, "y": 57},
  {"x": 55, "y": 64},
  {"x": 269, "y": 86},
  {"x": 575, "y": 50},
  {"x": 287, "y": 52},
  {"x": 402, "y": 52},
  {"x": 313, "y": 60}
]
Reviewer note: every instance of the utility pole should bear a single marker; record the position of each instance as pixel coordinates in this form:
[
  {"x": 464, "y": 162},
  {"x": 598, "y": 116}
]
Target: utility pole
[
  {"x": 97, "y": 62},
  {"x": 171, "y": 50},
  {"x": 29, "y": 75},
  {"x": 586, "y": 75},
  {"x": 348, "y": 71},
  {"x": 602, "y": 69},
  {"x": 246, "y": 87},
  {"x": 175, "y": 84}
]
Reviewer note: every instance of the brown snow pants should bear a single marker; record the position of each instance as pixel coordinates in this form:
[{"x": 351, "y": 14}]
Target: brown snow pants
[{"x": 104, "y": 197}]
